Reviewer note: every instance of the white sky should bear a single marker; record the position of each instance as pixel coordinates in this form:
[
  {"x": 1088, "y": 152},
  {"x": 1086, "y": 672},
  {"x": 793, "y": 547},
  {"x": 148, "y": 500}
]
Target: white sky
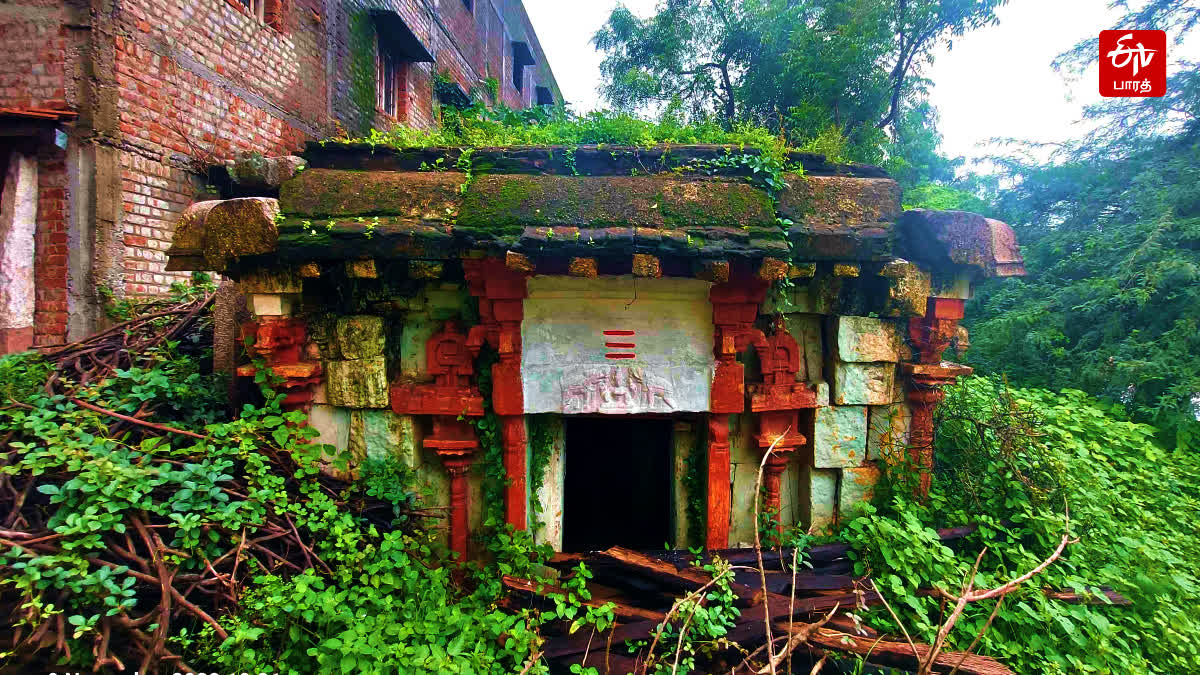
[{"x": 996, "y": 82}]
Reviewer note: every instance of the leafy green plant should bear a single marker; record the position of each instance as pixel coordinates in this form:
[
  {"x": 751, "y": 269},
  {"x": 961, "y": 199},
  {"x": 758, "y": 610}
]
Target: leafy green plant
[{"x": 1008, "y": 459}]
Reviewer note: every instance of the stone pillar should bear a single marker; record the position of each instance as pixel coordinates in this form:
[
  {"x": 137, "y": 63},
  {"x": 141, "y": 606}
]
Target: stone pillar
[
  {"x": 450, "y": 399},
  {"x": 512, "y": 428},
  {"x": 930, "y": 336},
  {"x": 18, "y": 222},
  {"x": 777, "y": 401},
  {"x": 501, "y": 290},
  {"x": 735, "y": 307},
  {"x": 717, "y": 536},
  {"x": 457, "y": 467}
]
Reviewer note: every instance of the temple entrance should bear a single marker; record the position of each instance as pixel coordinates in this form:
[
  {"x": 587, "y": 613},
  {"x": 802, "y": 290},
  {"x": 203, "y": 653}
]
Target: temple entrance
[{"x": 618, "y": 483}]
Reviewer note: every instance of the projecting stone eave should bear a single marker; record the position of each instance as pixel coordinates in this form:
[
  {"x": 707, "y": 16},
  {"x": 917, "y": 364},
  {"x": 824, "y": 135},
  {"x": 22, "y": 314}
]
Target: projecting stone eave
[{"x": 953, "y": 240}]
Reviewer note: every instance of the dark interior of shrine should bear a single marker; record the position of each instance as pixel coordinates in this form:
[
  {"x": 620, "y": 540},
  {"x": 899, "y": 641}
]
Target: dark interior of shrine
[{"x": 618, "y": 483}]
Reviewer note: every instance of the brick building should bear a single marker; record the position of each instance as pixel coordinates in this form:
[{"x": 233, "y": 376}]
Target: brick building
[{"x": 110, "y": 112}]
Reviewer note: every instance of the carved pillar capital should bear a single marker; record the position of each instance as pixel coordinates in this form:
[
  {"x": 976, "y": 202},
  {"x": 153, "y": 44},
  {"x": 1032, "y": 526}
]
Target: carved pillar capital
[
  {"x": 279, "y": 342},
  {"x": 735, "y": 307}
]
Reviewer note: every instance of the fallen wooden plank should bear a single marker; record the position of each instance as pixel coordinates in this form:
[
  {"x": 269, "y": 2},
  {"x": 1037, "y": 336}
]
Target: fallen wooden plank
[
  {"x": 779, "y": 581},
  {"x": 579, "y": 642},
  {"x": 772, "y": 558},
  {"x": 896, "y": 654},
  {"x": 751, "y": 630},
  {"x": 627, "y": 562},
  {"x": 620, "y": 610}
]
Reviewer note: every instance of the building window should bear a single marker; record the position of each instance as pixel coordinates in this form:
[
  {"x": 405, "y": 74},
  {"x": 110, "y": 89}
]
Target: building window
[
  {"x": 255, "y": 8},
  {"x": 396, "y": 49},
  {"x": 269, "y": 12},
  {"x": 521, "y": 57},
  {"x": 470, "y": 5},
  {"x": 544, "y": 96},
  {"x": 391, "y": 78}
]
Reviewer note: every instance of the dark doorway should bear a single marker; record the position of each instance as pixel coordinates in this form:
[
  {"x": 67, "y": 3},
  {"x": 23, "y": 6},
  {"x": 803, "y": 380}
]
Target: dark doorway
[{"x": 618, "y": 483}]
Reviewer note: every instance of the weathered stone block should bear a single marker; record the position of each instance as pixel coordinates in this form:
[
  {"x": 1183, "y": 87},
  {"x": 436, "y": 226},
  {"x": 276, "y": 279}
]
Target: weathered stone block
[
  {"x": 822, "y": 388},
  {"x": 240, "y": 227},
  {"x": 360, "y": 337},
  {"x": 332, "y": 423},
  {"x": 252, "y": 170},
  {"x": 361, "y": 269},
  {"x": 357, "y": 384},
  {"x": 378, "y": 435},
  {"x": 271, "y": 280},
  {"x": 861, "y": 339},
  {"x": 818, "y": 498},
  {"x": 857, "y": 488},
  {"x": 806, "y": 329},
  {"x": 956, "y": 285},
  {"x": 839, "y": 436},
  {"x": 271, "y": 304},
  {"x": 909, "y": 288},
  {"x": 445, "y": 301},
  {"x": 887, "y": 433},
  {"x": 864, "y": 383}
]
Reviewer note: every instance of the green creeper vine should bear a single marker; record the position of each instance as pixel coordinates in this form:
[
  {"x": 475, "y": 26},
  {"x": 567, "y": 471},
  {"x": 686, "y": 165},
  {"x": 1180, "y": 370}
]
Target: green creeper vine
[
  {"x": 541, "y": 447},
  {"x": 695, "y": 467}
]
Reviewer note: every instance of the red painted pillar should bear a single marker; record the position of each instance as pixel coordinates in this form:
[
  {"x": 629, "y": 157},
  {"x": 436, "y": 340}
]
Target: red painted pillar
[
  {"x": 772, "y": 475},
  {"x": 930, "y": 335},
  {"x": 923, "y": 397},
  {"x": 457, "y": 466},
  {"x": 513, "y": 429},
  {"x": 718, "y": 482},
  {"x": 501, "y": 291}
]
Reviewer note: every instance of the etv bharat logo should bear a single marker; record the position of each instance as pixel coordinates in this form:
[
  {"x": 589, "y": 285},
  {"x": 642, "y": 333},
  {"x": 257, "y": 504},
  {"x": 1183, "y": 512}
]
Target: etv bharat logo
[{"x": 1133, "y": 63}]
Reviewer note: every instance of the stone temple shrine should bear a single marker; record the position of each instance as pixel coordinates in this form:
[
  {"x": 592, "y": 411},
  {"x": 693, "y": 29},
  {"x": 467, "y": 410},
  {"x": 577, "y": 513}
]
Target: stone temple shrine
[{"x": 659, "y": 316}]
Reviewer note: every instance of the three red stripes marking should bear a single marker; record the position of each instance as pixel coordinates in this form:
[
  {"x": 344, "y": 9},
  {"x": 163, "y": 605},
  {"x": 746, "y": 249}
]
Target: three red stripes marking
[{"x": 620, "y": 345}]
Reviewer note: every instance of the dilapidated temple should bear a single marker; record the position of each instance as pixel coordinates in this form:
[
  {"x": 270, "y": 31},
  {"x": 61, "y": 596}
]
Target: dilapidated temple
[{"x": 661, "y": 317}]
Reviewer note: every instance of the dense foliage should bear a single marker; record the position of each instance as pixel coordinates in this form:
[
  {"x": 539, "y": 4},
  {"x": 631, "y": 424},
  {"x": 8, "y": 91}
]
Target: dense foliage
[
  {"x": 1110, "y": 229},
  {"x": 100, "y": 517},
  {"x": 478, "y": 125},
  {"x": 1011, "y": 460},
  {"x": 819, "y": 71}
]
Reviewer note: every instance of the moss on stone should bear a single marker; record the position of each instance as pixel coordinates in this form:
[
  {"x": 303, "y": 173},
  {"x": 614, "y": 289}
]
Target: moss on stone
[
  {"x": 323, "y": 193},
  {"x": 642, "y": 201},
  {"x": 240, "y": 227},
  {"x": 839, "y": 200}
]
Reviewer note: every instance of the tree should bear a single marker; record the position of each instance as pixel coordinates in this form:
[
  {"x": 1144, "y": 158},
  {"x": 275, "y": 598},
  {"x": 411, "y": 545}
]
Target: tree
[
  {"x": 1110, "y": 228},
  {"x": 802, "y": 66}
]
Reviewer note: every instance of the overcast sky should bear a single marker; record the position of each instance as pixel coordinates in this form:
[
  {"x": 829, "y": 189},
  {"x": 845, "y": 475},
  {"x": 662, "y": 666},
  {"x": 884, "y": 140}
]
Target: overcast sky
[{"x": 996, "y": 82}]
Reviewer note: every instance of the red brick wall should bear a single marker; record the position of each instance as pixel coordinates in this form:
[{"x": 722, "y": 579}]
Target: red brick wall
[
  {"x": 197, "y": 81},
  {"x": 50, "y": 250},
  {"x": 205, "y": 90},
  {"x": 32, "y": 70}
]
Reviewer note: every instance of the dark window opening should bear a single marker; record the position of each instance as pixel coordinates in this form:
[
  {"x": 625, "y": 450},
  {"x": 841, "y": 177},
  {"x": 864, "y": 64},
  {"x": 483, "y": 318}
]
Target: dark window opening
[
  {"x": 521, "y": 57},
  {"x": 388, "y": 77},
  {"x": 469, "y": 4},
  {"x": 544, "y": 96},
  {"x": 397, "y": 47},
  {"x": 618, "y": 483}
]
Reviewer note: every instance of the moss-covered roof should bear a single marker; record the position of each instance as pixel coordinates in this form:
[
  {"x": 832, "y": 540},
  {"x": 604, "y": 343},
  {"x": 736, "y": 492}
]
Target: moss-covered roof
[{"x": 701, "y": 202}]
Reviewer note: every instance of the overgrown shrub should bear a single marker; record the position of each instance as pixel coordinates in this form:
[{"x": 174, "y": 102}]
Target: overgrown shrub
[
  {"x": 1009, "y": 460},
  {"x": 192, "y": 540}
]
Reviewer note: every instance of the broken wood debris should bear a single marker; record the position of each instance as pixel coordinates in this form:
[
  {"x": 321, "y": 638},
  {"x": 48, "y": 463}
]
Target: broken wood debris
[{"x": 819, "y": 605}]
